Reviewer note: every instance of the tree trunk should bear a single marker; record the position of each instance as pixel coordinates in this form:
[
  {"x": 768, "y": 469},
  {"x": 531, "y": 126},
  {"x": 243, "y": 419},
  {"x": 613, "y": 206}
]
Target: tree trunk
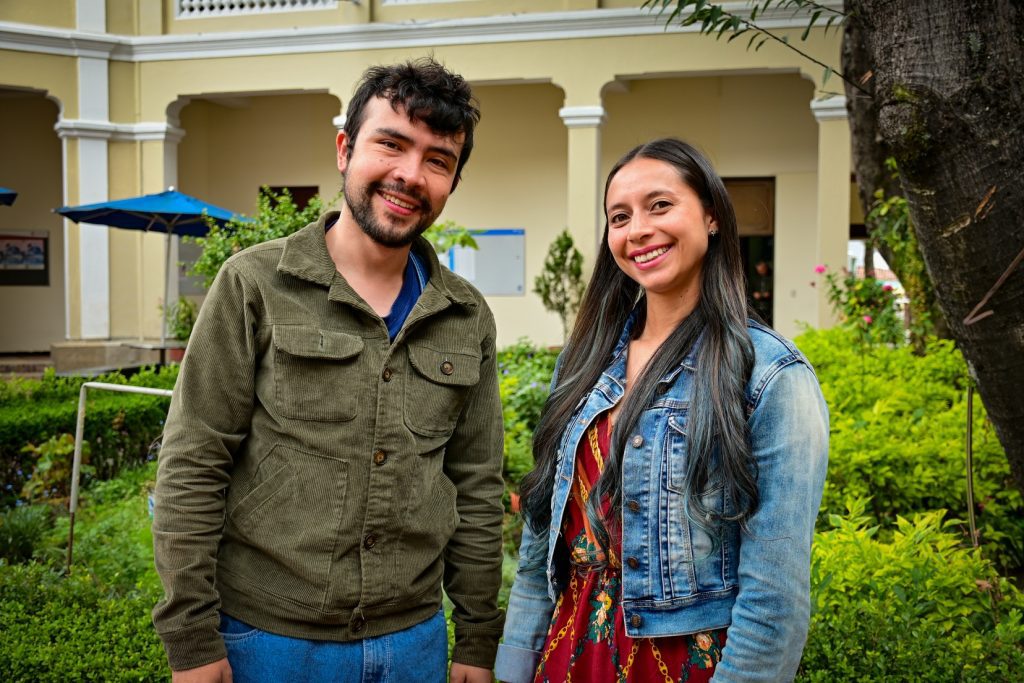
[
  {"x": 870, "y": 152},
  {"x": 950, "y": 103}
]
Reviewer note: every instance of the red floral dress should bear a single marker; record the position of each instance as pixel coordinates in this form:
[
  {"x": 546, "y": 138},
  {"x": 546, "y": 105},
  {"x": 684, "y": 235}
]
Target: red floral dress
[{"x": 587, "y": 640}]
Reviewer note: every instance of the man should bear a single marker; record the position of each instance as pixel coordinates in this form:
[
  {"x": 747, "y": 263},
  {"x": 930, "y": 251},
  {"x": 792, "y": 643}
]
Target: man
[{"x": 332, "y": 454}]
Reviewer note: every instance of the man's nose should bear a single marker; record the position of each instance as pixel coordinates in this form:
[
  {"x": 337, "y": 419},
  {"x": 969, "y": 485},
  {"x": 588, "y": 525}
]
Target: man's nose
[{"x": 408, "y": 169}]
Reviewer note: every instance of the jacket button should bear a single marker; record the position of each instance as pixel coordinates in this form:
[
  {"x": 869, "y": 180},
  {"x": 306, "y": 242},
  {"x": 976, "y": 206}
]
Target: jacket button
[
  {"x": 633, "y": 563},
  {"x": 386, "y": 374},
  {"x": 447, "y": 367},
  {"x": 633, "y": 506},
  {"x": 638, "y": 441},
  {"x": 379, "y": 457},
  {"x": 358, "y": 623},
  {"x": 635, "y": 621},
  {"x": 369, "y": 541}
]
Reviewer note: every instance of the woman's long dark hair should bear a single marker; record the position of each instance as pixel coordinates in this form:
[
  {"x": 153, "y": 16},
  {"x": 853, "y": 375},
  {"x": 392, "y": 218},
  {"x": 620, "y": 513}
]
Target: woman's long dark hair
[{"x": 717, "y": 418}]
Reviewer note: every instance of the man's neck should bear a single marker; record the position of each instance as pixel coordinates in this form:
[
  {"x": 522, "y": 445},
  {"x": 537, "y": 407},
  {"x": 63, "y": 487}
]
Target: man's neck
[{"x": 373, "y": 270}]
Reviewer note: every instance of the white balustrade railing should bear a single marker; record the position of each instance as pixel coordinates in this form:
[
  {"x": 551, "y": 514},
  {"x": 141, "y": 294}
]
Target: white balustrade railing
[{"x": 201, "y": 9}]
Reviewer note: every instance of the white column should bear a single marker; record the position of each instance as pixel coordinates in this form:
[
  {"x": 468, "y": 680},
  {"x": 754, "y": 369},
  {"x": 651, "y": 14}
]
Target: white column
[
  {"x": 91, "y": 15},
  {"x": 834, "y": 165},
  {"x": 584, "y": 168}
]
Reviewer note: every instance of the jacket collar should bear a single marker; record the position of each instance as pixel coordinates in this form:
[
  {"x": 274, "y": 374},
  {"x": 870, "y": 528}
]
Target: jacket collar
[{"x": 305, "y": 256}]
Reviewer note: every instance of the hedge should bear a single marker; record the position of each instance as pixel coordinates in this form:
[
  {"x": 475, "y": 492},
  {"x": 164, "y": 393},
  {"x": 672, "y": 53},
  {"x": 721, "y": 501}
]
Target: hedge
[{"x": 119, "y": 427}]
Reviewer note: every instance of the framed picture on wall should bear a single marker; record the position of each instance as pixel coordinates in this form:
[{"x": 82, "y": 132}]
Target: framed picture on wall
[{"x": 24, "y": 258}]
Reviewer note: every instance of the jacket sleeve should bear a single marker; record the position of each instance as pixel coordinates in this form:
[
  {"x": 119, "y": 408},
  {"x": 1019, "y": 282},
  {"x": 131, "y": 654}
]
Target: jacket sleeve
[
  {"x": 529, "y": 614},
  {"x": 210, "y": 415},
  {"x": 789, "y": 440},
  {"x": 473, "y": 556}
]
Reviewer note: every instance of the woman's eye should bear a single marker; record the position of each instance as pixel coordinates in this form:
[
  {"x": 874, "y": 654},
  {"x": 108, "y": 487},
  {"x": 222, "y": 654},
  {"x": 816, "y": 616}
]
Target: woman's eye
[
  {"x": 660, "y": 205},
  {"x": 617, "y": 218}
]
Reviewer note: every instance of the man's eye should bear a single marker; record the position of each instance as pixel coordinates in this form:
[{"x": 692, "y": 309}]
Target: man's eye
[
  {"x": 441, "y": 163},
  {"x": 390, "y": 144}
]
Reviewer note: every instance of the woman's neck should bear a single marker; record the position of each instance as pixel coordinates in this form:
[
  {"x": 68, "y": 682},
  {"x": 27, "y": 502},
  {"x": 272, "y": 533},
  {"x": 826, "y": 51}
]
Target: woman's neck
[{"x": 663, "y": 316}]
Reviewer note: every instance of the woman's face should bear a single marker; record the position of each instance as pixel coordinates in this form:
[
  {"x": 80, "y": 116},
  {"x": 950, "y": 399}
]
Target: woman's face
[{"x": 657, "y": 229}]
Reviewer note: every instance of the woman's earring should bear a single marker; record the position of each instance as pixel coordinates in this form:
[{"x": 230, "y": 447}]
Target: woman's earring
[{"x": 713, "y": 233}]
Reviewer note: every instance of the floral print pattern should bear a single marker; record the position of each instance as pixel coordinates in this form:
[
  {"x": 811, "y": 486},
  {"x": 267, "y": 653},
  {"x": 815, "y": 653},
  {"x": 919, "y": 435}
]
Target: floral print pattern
[{"x": 587, "y": 640}]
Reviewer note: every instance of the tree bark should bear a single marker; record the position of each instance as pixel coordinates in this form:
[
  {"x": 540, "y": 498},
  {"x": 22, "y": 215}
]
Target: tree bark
[
  {"x": 949, "y": 96},
  {"x": 870, "y": 151}
]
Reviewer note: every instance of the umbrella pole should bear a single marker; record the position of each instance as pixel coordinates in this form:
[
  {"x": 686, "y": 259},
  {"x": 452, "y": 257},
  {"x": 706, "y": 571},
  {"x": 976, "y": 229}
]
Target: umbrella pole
[
  {"x": 140, "y": 256},
  {"x": 167, "y": 289}
]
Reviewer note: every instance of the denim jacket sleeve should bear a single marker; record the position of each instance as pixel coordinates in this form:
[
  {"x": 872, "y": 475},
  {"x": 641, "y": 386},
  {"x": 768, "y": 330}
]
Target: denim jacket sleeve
[
  {"x": 789, "y": 441},
  {"x": 528, "y": 615}
]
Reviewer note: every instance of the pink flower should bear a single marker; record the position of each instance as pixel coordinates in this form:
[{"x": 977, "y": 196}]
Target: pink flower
[
  {"x": 819, "y": 269},
  {"x": 867, "y": 319},
  {"x": 887, "y": 288}
]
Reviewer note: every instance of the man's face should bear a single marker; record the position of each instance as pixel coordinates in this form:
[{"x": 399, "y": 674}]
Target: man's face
[{"x": 398, "y": 175}]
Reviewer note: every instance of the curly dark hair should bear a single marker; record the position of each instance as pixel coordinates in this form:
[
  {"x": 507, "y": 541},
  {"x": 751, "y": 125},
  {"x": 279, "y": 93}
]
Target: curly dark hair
[{"x": 429, "y": 93}]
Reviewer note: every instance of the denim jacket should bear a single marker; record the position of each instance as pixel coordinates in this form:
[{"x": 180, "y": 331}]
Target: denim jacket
[{"x": 755, "y": 581}]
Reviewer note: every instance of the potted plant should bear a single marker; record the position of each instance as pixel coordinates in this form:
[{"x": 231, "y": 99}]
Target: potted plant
[{"x": 181, "y": 316}]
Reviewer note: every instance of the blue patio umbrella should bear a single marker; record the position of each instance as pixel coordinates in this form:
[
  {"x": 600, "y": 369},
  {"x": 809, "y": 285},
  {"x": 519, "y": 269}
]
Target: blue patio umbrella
[
  {"x": 7, "y": 197},
  {"x": 170, "y": 212}
]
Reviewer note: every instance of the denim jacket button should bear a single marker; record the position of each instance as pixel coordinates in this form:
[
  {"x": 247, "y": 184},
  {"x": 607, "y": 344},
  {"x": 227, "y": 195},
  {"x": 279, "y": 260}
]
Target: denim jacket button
[
  {"x": 633, "y": 563},
  {"x": 635, "y": 621},
  {"x": 633, "y": 506},
  {"x": 638, "y": 441}
]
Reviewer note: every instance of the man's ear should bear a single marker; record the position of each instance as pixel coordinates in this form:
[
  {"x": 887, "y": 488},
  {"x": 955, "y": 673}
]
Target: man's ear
[{"x": 342, "y": 142}]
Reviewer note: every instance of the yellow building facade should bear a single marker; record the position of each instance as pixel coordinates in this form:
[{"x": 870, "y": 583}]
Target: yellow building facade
[{"x": 105, "y": 99}]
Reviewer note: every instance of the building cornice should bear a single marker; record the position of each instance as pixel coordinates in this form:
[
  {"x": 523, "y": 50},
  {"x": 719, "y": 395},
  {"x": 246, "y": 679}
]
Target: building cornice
[
  {"x": 51, "y": 41},
  {"x": 829, "y": 109},
  {"x": 105, "y": 130},
  {"x": 597, "y": 23},
  {"x": 582, "y": 117}
]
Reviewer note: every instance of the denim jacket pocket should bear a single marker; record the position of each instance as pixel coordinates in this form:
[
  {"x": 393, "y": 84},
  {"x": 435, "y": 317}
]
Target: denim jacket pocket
[
  {"x": 316, "y": 373},
  {"x": 695, "y": 552},
  {"x": 437, "y": 389}
]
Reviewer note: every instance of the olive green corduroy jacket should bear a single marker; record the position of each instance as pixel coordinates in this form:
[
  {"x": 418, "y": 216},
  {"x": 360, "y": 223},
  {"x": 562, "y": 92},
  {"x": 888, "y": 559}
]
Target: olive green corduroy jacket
[{"x": 319, "y": 481}]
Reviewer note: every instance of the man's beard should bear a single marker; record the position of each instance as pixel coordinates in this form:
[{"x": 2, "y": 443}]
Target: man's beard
[{"x": 361, "y": 206}]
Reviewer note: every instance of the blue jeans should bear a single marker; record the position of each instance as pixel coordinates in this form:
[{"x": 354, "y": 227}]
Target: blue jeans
[{"x": 419, "y": 653}]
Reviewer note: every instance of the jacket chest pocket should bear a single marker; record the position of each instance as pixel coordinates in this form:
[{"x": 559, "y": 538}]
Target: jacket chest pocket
[
  {"x": 437, "y": 388},
  {"x": 316, "y": 373}
]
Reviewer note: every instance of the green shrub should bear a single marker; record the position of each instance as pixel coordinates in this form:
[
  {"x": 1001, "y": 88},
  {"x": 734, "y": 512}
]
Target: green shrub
[
  {"x": 21, "y": 530},
  {"x": 75, "y": 629},
  {"x": 919, "y": 608},
  {"x": 277, "y": 215},
  {"x": 866, "y": 305},
  {"x": 119, "y": 427},
  {"x": 898, "y": 423},
  {"x": 54, "y": 463},
  {"x": 94, "y": 625},
  {"x": 524, "y": 379}
]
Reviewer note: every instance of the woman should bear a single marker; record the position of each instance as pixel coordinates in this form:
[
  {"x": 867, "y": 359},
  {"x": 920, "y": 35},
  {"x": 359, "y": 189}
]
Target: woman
[{"x": 680, "y": 459}]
